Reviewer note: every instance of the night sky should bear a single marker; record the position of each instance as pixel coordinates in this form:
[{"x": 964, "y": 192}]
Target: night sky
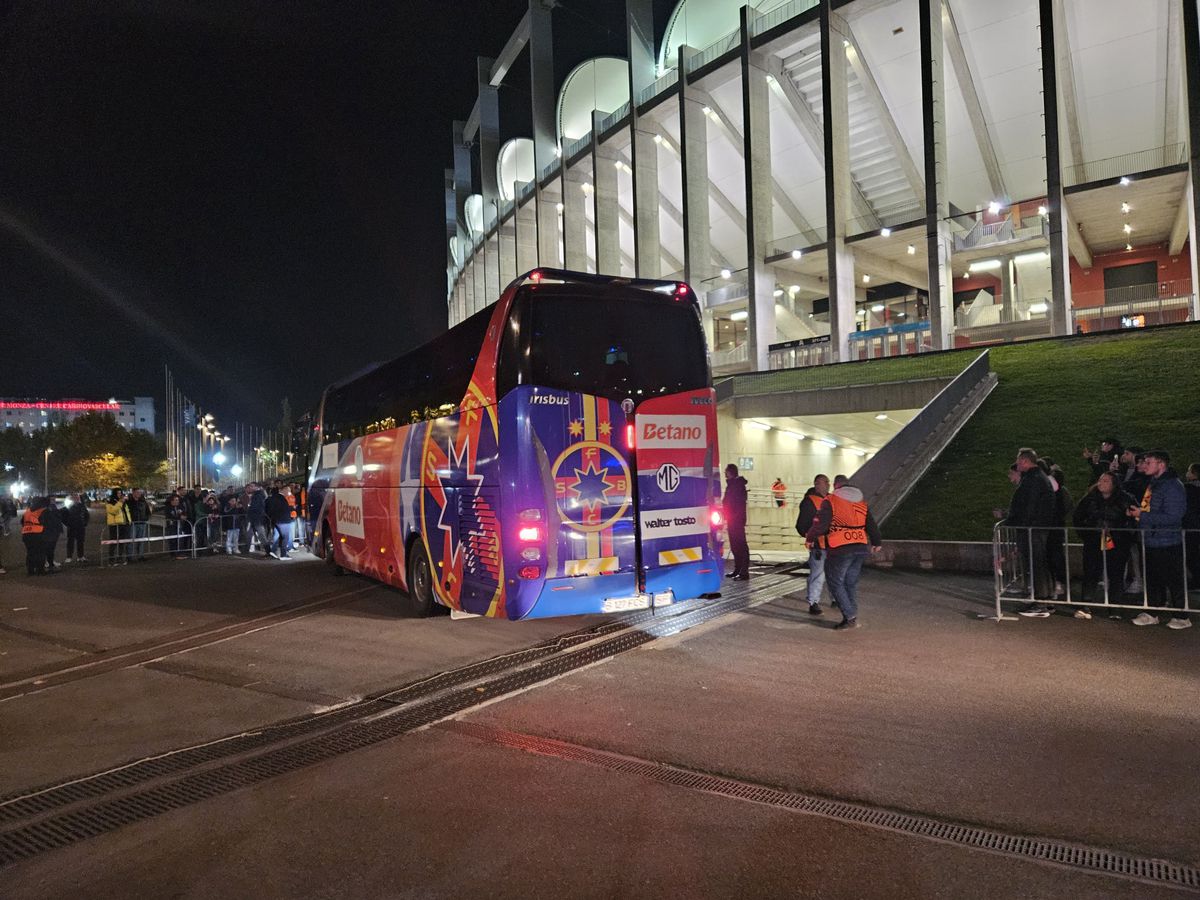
[{"x": 247, "y": 190}]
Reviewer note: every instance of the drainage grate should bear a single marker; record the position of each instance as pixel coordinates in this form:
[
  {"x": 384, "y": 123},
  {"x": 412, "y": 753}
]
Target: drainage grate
[
  {"x": 37, "y": 801},
  {"x": 366, "y": 726},
  {"x": 1095, "y": 859}
]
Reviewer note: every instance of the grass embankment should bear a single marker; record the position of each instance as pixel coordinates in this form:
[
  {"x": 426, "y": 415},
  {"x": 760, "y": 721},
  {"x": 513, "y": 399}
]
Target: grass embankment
[{"x": 1058, "y": 396}]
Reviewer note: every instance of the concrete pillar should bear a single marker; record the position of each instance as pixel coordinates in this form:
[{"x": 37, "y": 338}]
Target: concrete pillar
[
  {"x": 606, "y": 204},
  {"x": 1192, "y": 253},
  {"x": 491, "y": 268},
  {"x": 506, "y": 233},
  {"x": 526, "y": 228},
  {"x": 693, "y": 152},
  {"x": 1056, "y": 216},
  {"x": 939, "y": 242},
  {"x": 545, "y": 133},
  {"x": 1008, "y": 289},
  {"x": 488, "y": 145},
  {"x": 647, "y": 244},
  {"x": 1191, "y": 82},
  {"x": 576, "y": 187},
  {"x": 451, "y": 201},
  {"x": 756, "y": 139},
  {"x": 836, "y": 114}
]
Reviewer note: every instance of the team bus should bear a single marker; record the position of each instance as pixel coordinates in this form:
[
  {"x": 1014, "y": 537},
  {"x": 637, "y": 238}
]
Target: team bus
[{"x": 553, "y": 454}]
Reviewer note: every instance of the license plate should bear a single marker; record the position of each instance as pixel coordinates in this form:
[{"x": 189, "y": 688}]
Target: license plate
[
  {"x": 666, "y": 598},
  {"x": 624, "y": 604}
]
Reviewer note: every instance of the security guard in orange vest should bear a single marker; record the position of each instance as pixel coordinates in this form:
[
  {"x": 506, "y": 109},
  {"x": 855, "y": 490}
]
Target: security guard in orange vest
[
  {"x": 33, "y": 531},
  {"x": 851, "y": 535},
  {"x": 814, "y": 498}
]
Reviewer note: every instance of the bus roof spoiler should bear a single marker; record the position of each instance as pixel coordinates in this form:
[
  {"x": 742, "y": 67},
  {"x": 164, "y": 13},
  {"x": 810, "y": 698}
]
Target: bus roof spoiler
[{"x": 543, "y": 275}]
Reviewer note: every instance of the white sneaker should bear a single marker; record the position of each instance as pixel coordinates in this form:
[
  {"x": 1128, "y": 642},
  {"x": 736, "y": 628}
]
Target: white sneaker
[
  {"x": 1145, "y": 619},
  {"x": 1179, "y": 623},
  {"x": 82, "y": 559},
  {"x": 1135, "y": 587},
  {"x": 68, "y": 560},
  {"x": 1082, "y": 614}
]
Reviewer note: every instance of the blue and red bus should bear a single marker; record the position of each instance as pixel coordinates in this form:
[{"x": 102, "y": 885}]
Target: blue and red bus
[{"x": 553, "y": 454}]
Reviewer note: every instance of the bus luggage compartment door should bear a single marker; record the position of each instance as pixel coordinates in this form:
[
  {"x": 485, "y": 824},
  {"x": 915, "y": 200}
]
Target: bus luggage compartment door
[{"x": 676, "y": 449}]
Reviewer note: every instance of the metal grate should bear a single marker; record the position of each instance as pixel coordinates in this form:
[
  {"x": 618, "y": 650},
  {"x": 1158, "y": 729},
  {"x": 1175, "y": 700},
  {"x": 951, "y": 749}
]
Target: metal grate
[
  {"x": 1096, "y": 859},
  {"x": 354, "y": 728},
  {"x": 36, "y": 801}
]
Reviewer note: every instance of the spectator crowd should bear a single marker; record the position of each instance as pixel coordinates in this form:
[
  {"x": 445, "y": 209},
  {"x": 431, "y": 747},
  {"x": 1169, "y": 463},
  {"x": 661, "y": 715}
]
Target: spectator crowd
[
  {"x": 1138, "y": 524},
  {"x": 255, "y": 518}
]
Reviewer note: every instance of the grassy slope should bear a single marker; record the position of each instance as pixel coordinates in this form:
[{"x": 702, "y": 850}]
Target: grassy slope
[{"x": 1057, "y": 396}]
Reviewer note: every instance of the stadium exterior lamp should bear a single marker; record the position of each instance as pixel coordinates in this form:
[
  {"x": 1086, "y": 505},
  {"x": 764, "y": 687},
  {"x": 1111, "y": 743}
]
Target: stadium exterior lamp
[
  {"x": 236, "y": 471},
  {"x": 46, "y": 461}
]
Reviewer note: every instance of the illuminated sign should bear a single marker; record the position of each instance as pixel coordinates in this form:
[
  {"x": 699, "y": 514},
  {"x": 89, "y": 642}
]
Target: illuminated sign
[{"x": 68, "y": 405}]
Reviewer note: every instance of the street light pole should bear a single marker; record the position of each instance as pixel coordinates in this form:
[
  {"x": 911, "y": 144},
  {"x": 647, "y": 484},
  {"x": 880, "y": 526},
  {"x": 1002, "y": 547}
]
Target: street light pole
[{"x": 46, "y": 474}]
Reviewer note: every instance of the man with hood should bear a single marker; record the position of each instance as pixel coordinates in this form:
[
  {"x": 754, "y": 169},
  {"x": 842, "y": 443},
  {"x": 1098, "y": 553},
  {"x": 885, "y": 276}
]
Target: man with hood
[
  {"x": 814, "y": 500},
  {"x": 851, "y": 535},
  {"x": 1160, "y": 517},
  {"x": 734, "y": 506},
  {"x": 1031, "y": 512}
]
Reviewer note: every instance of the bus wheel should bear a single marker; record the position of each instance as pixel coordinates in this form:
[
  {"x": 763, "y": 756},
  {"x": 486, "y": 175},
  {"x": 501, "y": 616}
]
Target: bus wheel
[
  {"x": 330, "y": 561},
  {"x": 420, "y": 581}
]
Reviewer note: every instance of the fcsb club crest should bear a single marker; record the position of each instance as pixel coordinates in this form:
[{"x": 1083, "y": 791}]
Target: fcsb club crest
[{"x": 592, "y": 486}]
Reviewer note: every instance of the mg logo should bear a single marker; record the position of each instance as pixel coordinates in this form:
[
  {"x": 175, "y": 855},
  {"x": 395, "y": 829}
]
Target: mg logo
[{"x": 667, "y": 478}]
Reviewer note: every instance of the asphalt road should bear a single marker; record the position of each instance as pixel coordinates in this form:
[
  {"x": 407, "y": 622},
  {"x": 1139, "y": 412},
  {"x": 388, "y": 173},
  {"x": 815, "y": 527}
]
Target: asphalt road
[{"x": 1079, "y": 731}]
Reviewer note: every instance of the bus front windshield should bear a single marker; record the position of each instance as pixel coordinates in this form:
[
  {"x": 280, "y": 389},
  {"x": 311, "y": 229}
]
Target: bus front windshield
[{"x": 614, "y": 346}]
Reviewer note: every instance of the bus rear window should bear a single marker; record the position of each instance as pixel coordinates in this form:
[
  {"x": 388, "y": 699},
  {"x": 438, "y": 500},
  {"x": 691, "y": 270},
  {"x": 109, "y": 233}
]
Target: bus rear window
[{"x": 614, "y": 346}]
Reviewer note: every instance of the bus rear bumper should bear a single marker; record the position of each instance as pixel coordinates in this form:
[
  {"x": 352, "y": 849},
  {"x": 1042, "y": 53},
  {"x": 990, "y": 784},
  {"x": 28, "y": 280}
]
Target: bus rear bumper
[{"x": 619, "y": 592}]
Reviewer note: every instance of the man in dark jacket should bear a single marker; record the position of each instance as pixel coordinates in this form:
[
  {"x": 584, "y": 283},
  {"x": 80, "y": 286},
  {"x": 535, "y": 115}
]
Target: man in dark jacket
[
  {"x": 810, "y": 506},
  {"x": 255, "y": 517},
  {"x": 279, "y": 514},
  {"x": 734, "y": 506},
  {"x": 139, "y": 519},
  {"x": 1159, "y": 515},
  {"x": 76, "y": 517},
  {"x": 52, "y": 520},
  {"x": 1032, "y": 513}
]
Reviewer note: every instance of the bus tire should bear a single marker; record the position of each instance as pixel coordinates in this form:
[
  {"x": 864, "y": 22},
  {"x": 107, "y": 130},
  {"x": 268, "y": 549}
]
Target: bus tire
[
  {"x": 327, "y": 546},
  {"x": 420, "y": 581}
]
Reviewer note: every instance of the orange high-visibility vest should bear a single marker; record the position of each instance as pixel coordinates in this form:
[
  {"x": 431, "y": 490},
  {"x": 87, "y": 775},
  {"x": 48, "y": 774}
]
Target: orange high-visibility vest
[
  {"x": 31, "y": 522},
  {"x": 292, "y": 503},
  {"x": 818, "y": 501},
  {"x": 849, "y": 524}
]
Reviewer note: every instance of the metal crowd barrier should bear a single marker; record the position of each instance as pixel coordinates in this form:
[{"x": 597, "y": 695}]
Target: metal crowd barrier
[
  {"x": 1014, "y": 560},
  {"x": 123, "y": 543},
  {"x": 208, "y": 534}
]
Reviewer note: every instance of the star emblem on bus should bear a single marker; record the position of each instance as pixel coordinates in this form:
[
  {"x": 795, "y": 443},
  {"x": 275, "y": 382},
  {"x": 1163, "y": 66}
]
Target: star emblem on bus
[
  {"x": 592, "y": 485},
  {"x": 575, "y": 428}
]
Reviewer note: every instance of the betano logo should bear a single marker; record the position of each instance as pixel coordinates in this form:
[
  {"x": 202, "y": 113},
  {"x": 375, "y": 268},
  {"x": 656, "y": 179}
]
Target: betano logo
[
  {"x": 671, "y": 431},
  {"x": 349, "y": 507}
]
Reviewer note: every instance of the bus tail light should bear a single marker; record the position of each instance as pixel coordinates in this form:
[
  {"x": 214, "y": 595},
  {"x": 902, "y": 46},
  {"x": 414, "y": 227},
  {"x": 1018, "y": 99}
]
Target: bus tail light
[
  {"x": 681, "y": 291},
  {"x": 715, "y": 517},
  {"x": 535, "y": 276},
  {"x": 530, "y": 515},
  {"x": 529, "y": 572},
  {"x": 529, "y": 534},
  {"x": 531, "y": 553},
  {"x": 629, "y": 435}
]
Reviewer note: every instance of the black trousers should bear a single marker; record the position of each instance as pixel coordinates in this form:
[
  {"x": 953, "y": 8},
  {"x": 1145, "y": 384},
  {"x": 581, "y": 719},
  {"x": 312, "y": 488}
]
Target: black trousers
[
  {"x": 35, "y": 554},
  {"x": 1031, "y": 544},
  {"x": 51, "y": 546},
  {"x": 75, "y": 536},
  {"x": 1164, "y": 576},
  {"x": 739, "y": 548},
  {"x": 1096, "y": 562}
]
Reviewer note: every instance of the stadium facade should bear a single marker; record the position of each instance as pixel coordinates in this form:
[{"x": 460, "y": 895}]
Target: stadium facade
[{"x": 843, "y": 180}]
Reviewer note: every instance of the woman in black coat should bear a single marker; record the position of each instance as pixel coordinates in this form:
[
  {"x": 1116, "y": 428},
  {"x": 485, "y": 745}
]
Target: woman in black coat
[{"x": 1098, "y": 518}]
